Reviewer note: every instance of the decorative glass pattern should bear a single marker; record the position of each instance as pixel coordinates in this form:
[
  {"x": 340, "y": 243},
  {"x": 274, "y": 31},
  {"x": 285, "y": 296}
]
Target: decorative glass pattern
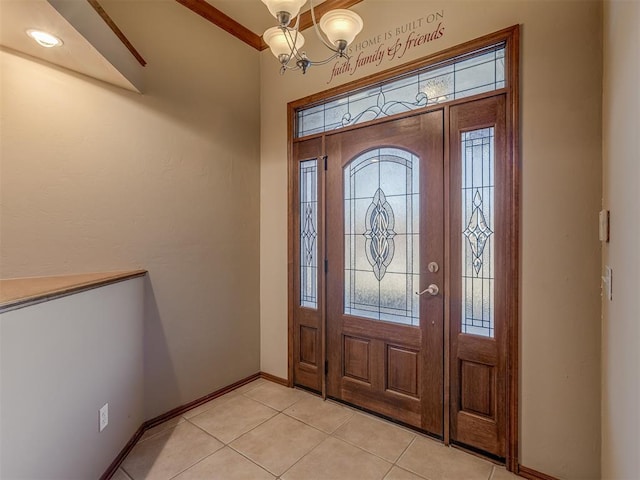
[
  {"x": 477, "y": 237},
  {"x": 465, "y": 76},
  {"x": 381, "y": 236},
  {"x": 309, "y": 233},
  {"x": 379, "y": 245}
]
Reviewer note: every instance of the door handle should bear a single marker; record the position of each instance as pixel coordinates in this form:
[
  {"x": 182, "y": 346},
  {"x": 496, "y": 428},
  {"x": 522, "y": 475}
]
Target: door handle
[{"x": 431, "y": 290}]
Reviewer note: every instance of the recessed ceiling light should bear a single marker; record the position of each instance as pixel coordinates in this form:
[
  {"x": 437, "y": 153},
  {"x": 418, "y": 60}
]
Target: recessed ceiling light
[{"x": 44, "y": 39}]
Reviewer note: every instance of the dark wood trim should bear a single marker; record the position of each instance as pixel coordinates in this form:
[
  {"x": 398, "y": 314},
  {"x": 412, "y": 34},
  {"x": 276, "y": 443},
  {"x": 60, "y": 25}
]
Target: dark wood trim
[
  {"x": 323, "y": 306},
  {"x": 513, "y": 301},
  {"x": 532, "y": 474},
  {"x": 111, "y": 469},
  {"x": 291, "y": 238},
  {"x": 272, "y": 378},
  {"x": 115, "y": 29},
  {"x": 225, "y": 22},
  {"x": 446, "y": 437},
  {"x": 200, "y": 401}
]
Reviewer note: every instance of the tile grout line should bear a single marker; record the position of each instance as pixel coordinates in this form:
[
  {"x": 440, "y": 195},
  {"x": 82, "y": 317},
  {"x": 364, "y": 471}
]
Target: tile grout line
[
  {"x": 203, "y": 430},
  {"x": 415, "y": 437},
  {"x": 407, "y": 468},
  {"x": 372, "y": 453},
  {"x": 271, "y": 406},
  {"x": 309, "y": 452},
  {"x": 367, "y": 451},
  {"x": 125, "y": 471},
  {"x": 295, "y": 419},
  {"x": 313, "y": 426},
  {"x": 250, "y": 460},
  {"x": 388, "y": 471},
  {"x": 191, "y": 466}
]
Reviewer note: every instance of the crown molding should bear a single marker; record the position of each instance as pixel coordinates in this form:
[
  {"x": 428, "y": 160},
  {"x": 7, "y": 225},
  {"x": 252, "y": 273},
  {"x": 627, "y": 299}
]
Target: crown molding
[{"x": 228, "y": 24}]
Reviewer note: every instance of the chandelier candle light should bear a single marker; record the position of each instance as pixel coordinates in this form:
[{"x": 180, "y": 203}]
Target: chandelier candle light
[{"x": 339, "y": 26}]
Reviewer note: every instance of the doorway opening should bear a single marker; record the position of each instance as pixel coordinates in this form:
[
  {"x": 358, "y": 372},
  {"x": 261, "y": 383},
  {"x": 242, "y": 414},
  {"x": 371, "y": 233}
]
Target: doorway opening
[{"x": 404, "y": 244}]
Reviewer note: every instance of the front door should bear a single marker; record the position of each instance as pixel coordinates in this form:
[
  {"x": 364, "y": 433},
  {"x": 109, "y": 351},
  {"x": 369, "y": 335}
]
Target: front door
[{"x": 385, "y": 256}]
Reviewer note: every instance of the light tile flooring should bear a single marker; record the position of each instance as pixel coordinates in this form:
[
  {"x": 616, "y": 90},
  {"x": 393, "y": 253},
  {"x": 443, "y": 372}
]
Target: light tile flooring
[{"x": 266, "y": 431}]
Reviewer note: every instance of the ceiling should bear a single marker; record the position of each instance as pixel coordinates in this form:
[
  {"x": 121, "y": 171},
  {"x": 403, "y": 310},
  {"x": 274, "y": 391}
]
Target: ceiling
[
  {"x": 94, "y": 45},
  {"x": 94, "y": 52}
]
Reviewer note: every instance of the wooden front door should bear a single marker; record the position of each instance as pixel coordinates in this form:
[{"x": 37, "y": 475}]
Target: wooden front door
[{"x": 384, "y": 278}]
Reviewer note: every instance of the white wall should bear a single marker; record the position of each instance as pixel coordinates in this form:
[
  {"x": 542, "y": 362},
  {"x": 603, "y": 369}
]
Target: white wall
[
  {"x": 96, "y": 178},
  {"x": 60, "y": 361},
  {"x": 561, "y": 157},
  {"x": 621, "y": 316}
]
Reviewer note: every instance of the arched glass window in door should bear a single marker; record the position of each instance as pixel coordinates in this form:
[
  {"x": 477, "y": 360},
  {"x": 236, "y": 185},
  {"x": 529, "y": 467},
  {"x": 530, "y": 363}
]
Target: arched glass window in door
[{"x": 381, "y": 236}]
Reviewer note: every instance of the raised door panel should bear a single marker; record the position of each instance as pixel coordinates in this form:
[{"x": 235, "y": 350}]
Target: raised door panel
[{"x": 402, "y": 371}]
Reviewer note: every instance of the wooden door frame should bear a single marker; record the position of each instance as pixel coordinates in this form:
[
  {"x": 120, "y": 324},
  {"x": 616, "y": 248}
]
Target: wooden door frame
[{"x": 511, "y": 38}]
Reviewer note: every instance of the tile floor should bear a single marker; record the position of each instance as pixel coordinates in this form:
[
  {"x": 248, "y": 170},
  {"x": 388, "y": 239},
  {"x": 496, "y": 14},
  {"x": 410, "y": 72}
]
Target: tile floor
[{"x": 266, "y": 431}]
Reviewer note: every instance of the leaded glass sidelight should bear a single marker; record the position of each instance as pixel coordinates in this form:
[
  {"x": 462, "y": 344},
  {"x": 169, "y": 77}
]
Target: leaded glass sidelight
[
  {"x": 477, "y": 234},
  {"x": 309, "y": 233},
  {"x": 381, "y": 239}
]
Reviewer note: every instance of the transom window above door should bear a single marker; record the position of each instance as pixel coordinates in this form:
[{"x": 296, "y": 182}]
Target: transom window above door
[{"x": 462, "y": 76}]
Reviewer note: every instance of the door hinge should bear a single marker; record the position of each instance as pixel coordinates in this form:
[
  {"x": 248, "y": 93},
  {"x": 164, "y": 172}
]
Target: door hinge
[
  {"x": 326, "y": 367},
  {"x": 325, "y": 161},
  {"x": 326, "y": 265}
]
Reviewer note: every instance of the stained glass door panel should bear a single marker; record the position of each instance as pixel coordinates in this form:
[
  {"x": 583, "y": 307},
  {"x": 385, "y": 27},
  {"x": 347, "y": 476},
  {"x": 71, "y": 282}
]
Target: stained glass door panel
[
  {"x": 381, "y": 235},
  {"x": 384, "y": 225}
]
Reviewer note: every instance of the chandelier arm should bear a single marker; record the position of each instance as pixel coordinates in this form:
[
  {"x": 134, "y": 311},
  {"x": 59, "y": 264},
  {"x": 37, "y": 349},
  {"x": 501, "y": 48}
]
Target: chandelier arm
[
  {"x": 291, "y": 42},
  {"x": 317, "y": 30},
  {"x": 324, "y": 62}
]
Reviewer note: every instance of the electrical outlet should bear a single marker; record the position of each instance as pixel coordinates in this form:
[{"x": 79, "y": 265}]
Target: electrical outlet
[{"x": 103, "y": 415}]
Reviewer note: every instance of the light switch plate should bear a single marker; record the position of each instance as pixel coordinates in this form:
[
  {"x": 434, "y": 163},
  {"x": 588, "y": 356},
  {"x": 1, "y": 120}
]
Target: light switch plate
[{"x": 607, "y": 282}]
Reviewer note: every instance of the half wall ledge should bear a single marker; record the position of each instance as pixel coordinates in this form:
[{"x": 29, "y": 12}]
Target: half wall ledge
[{"x": 18, "y": 293}]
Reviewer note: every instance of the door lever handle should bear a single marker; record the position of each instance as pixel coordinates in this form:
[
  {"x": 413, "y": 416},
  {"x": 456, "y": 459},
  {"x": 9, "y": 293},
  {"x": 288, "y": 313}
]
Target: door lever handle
[{"x": 431, "y": 290}]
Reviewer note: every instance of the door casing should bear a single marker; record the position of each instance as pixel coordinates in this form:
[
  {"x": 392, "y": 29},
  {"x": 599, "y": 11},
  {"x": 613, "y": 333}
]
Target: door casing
[{"x": 315, "y": 146}]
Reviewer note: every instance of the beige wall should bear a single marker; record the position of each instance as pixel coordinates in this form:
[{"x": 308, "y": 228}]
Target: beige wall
[
  {"x": 561, "y": 158},
  {"x": 60, "y": 362},
  {"x": 621, "y": 317},
  {"x": 97, "y": 178}
]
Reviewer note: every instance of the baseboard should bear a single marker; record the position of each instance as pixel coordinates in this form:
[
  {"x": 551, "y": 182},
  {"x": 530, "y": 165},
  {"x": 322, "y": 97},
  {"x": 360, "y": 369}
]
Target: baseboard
[
  {"x": 532, "y": 474},
  {"x": 200, "y": 401},
  {"x": 123, "y": 453},
  {"x": 179, "y": 411},
  {"x": 274, "y": 379}
]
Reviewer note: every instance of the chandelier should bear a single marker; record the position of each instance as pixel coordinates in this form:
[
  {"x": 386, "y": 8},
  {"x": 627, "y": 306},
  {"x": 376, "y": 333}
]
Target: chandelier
[{"x": 339, "y": 26}]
